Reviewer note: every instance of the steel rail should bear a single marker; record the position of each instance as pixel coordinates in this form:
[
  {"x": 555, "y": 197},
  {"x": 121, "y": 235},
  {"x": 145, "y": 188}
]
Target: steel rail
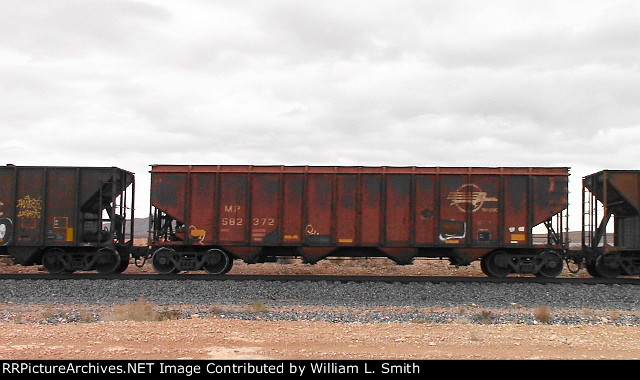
[{"x": 316, "y": 278}]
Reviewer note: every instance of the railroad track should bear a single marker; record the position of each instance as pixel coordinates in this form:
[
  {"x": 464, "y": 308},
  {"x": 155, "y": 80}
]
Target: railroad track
[{"x": 316, "y": 278}]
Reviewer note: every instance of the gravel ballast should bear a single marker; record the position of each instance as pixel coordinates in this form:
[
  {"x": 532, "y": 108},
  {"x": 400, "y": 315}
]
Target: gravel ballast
[{"x": 349, "y": 302}]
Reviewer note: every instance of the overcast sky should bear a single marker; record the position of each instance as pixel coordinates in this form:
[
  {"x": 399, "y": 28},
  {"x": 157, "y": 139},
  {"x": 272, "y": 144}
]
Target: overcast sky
[{"x": 397, "y": 82}]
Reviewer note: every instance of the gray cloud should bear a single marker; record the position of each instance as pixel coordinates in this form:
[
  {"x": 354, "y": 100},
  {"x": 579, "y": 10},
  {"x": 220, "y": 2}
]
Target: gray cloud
[{"x": 460, "y": 83}]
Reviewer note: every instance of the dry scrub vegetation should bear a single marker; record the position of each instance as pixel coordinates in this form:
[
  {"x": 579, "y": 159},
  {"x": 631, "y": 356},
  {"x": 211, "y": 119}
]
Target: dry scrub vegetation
[{"x": 144, "y": 311}]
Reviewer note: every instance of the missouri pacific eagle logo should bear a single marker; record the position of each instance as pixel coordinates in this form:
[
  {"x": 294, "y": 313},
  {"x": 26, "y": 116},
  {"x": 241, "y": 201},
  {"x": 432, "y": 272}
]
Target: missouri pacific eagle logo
[{"x": 469, "y": 193}]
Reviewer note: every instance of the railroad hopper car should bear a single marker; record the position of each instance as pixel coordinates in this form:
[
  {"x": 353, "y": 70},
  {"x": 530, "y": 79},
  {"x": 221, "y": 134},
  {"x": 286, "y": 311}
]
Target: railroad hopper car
[
  {"x": 204, "y": 217},
  {"x": 66, "y": 218},
  {"x": 611, "y": 223}
]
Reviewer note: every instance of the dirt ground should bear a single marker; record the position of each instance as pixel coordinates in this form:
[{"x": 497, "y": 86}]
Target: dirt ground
[
  {"x": 237, "y": 339},
  {"x": 216, "y": 337}
]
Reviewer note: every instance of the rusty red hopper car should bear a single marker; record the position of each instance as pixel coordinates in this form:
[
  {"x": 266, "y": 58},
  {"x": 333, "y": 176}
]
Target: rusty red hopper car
[{"x": 204, "y": 217}]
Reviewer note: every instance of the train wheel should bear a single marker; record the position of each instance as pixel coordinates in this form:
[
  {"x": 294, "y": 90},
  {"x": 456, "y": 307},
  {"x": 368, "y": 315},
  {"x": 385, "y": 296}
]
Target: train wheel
[
  {"x": 607, "y": 266},
  {"x": 591, "y": 268},
  {"x": 124, "y": 262},
  {"x": 52, "y": 261},
  {"x": 107, "y": 261},
  {"x": 552, "y": 266},
  {"x": 162, "y": 261},
  {"x": 496, "y": 264},
  {"x": 216, "y": 262}
]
